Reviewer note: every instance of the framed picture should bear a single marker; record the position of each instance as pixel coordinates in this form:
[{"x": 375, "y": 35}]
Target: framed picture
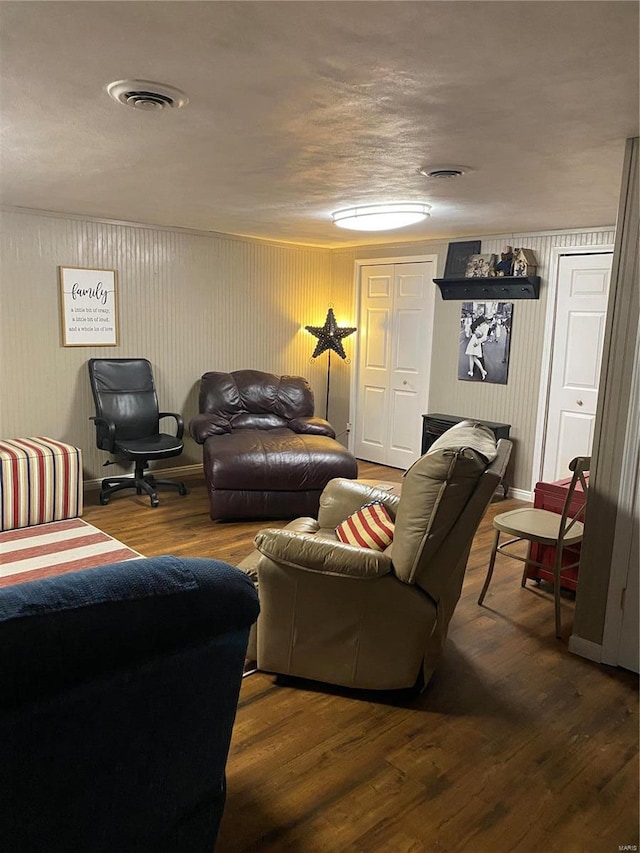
[
  {"x": 88, "y": 307},
  {"x": 481, "y": 266},
  {"x": 458, "y": 255},
  {"x": 485, "y": 341}
]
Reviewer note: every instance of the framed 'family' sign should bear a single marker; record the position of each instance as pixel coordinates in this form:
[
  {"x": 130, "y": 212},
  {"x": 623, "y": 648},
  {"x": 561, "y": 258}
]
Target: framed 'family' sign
[{"x": 89, "y": 307}]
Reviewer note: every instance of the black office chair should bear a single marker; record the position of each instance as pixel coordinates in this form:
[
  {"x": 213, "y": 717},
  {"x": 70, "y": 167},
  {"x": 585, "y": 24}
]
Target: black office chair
[{"x": 127, "y": 423}]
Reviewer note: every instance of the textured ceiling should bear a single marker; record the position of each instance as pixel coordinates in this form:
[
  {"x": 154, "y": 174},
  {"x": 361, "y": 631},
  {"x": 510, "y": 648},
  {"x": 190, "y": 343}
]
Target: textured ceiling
[{"x": 300, "y": 108}]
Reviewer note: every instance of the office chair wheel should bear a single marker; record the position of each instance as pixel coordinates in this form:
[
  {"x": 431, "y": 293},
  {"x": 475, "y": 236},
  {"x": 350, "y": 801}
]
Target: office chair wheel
[
  {"x": 104, "y": 500},
  {"x": 155, "y": 502},
  {"x": 183, "y": 490}
]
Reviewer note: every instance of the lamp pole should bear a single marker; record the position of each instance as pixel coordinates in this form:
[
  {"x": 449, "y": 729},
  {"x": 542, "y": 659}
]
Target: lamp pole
[
  {"x": 326, "y": 405},
  {"x": 329, "y": 338}
]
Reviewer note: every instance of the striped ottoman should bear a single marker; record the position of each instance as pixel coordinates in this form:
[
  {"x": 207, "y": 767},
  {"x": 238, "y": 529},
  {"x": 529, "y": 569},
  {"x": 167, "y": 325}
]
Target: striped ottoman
[{"x": 40, "y": 481}]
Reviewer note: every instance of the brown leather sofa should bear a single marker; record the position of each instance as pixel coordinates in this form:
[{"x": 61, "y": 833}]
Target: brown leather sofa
[
  {"x": 265, "y": 455},
  {"x": 355, "y": 617}
]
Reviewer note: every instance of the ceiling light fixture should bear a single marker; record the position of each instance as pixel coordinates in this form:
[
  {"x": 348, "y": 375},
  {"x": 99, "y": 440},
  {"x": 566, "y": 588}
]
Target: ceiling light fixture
[
  {"x": 381, "y": 217},
  {"x": 145, "y": 95}
]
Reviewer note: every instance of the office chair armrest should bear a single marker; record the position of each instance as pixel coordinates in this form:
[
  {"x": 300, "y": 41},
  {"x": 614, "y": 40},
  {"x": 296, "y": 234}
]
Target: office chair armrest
[
  {"x": 178, "y": 420},
  {"x": 105, "y": 442},
  {"x": 312, "y": 554}
]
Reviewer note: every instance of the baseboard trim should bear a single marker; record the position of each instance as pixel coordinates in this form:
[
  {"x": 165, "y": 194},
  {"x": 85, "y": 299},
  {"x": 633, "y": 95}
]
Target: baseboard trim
[
  {"x": 585, "y": 648},
  {"x": 521, "y": 495},
  {"x": 183, "y": 470},
  {"x": 171, "y": 473}
]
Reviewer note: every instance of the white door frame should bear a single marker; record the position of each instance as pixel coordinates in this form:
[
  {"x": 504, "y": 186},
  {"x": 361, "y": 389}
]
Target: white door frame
[
  {"x": 369, "y": 262},
  {"x": 621, "y": 557},
  {"x": 557, "y": 252}
]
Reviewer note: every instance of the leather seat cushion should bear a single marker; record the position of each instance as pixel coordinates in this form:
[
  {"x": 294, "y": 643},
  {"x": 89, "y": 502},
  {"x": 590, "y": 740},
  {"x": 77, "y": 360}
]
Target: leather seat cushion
[
  {"x": 275, "y": 459},
  {"x": 160, "y": 444}
]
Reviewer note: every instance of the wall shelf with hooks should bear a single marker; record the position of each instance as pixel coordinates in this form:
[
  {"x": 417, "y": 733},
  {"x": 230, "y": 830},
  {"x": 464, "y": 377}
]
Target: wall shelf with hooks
[{"x": 497, "y": 288}]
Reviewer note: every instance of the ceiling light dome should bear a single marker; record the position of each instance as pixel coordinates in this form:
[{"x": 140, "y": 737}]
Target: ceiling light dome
[{"x": 381, "y": 217}]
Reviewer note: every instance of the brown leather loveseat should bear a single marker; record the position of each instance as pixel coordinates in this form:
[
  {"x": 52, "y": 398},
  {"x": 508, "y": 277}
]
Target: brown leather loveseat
[{"x": 265, "y": 455}]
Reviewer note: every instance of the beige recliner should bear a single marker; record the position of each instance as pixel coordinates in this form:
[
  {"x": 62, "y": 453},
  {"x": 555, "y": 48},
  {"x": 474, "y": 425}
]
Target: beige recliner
[{"x": 377, "y": 620}]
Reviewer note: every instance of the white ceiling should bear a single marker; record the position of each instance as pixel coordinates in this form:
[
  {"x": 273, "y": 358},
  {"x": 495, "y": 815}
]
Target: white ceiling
[{"x": 300, "y": 108}]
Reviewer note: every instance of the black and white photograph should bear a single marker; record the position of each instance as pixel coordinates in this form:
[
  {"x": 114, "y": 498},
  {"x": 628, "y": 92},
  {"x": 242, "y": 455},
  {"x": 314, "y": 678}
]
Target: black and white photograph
[
  {"x": 481, "y": 266},
  {"x": 485, "y": 338}
]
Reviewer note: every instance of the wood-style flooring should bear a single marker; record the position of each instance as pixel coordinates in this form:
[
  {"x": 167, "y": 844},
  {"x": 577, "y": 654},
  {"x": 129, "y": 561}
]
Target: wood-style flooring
[{"x": 516, "y": 746}]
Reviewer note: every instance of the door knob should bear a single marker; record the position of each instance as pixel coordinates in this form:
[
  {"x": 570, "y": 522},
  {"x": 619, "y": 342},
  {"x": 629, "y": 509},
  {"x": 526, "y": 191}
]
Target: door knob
[{"x": 579, "y": 402}]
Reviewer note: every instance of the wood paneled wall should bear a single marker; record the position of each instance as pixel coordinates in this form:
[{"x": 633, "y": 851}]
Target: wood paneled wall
[
  {"x": 192, "y": 302},
  {"x": 188, "y": 302},
  {"x": 612, "y": 502},
  {"x": 516, "y": 402}
]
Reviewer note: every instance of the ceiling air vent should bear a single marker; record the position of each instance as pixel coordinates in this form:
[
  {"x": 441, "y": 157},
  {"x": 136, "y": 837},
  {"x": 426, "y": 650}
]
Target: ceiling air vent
[
  {"x": 145, "y": 95},
  {"x": 443, "y": 171}
]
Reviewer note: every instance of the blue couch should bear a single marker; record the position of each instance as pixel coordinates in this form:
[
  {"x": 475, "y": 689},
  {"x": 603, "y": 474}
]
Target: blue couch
[{"x": 118, "y": 693}]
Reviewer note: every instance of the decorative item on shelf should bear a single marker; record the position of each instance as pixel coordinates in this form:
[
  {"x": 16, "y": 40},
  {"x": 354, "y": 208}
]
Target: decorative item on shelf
[
  {"x": 330, "y": 337},
  {"x": 458, "y": 255},
  {"x": 481, "y": 266},
  {"x": 505, "y": 264},
  {"x": 524, "y": 262}
]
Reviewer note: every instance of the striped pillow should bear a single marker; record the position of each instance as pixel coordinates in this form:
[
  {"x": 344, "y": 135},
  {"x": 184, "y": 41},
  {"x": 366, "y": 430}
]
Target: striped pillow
[{"x": 369, "y": 527}]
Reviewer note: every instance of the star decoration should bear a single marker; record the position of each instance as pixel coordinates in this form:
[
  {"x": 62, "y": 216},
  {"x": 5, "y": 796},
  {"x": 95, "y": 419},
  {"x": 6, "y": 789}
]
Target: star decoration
[{"x": 330, "y": 336}]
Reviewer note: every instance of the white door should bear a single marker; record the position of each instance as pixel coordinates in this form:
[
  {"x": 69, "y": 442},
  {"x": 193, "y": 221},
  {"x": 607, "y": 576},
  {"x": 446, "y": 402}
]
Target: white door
[
  {"x": 394, "y": 361},
  {"x": 583, "y": 286}
]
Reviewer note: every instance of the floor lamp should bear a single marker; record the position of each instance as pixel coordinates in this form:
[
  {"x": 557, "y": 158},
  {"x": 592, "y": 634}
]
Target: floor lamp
[{"x": 330, "y": 338}]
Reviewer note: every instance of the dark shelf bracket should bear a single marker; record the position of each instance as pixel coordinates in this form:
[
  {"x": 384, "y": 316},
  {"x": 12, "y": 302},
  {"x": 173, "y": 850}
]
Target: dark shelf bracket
[{"x": 497, "y": 289}]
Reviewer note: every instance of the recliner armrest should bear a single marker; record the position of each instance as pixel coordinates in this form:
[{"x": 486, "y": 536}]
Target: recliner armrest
[
  {"x": 313, "y": 554},
  {"x": 342, "y": 497},
  {"x": 204, "y": 425},
  {"x": 312, "y": 426},
  {"x": 178, "y": 420}
]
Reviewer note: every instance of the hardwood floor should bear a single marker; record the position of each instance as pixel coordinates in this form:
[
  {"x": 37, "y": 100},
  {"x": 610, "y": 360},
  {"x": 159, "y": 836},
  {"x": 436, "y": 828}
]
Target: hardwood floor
[{"x": 516, "y": 744}]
